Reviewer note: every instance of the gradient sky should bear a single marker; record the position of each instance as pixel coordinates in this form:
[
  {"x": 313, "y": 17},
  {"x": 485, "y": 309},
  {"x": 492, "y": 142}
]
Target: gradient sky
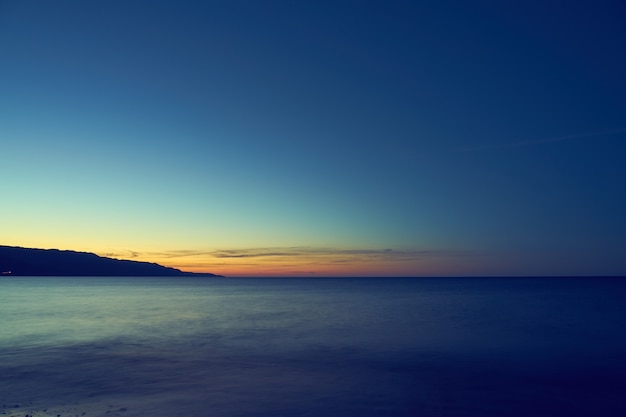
[{"x": 318, "y": 138}]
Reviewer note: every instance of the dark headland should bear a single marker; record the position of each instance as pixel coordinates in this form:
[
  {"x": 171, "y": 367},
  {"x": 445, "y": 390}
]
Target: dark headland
[{"x": 18, "y": 261}]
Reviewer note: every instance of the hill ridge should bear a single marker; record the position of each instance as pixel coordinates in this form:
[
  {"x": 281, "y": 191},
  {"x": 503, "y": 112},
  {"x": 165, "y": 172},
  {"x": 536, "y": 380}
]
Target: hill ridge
[{"x": 20, "y": 261}]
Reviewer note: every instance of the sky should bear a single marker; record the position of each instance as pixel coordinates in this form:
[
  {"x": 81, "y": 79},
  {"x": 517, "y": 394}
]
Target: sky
[{"x": 320, "y": 138}]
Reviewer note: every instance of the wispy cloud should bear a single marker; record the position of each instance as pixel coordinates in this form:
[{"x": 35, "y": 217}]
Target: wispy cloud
[
  {"x": 295, "y": 252},
  {"x": 338, "y": 255},
  {"x": 126, "y": 254},
  {"x": 298, "y": 260},
  {"x": 534, "y": 142}
]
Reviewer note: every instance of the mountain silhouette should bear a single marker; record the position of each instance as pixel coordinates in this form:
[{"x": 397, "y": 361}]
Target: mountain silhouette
[{"x": 18, "y": 261}]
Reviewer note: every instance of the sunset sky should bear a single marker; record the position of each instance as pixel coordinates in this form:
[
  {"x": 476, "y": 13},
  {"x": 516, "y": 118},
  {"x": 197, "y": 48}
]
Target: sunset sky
[{"x": 318, "y": 138}]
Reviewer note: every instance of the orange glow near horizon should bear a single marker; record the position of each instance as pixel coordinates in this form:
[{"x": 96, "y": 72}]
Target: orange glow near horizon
[
  {"x": 306, "y": 261},
  {"x": 287, "y": 262},
  {"x": 311, "y": 262}
]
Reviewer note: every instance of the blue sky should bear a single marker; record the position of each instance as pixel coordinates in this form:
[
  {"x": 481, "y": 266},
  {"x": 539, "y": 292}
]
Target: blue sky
[{"x": 318, "y": 138}]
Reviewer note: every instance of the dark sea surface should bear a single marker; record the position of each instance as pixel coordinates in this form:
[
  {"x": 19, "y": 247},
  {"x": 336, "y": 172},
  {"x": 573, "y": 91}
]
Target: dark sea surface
[{"x": 312, "y": 347}]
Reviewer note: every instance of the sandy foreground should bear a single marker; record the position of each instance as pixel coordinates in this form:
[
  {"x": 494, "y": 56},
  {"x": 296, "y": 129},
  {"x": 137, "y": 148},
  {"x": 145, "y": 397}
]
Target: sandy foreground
[
  {"x": 100, "y": 408},
  {"x": 136, "y": 407},
  {"x": 77, "y": 410}
]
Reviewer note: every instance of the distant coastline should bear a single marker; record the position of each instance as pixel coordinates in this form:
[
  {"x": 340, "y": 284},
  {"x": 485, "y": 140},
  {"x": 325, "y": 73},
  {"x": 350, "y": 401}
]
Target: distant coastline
[{"x": 19, "y": 261}]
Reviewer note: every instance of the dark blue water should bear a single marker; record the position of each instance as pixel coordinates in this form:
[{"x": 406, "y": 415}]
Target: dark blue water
[{"x": 312, "y": 347}]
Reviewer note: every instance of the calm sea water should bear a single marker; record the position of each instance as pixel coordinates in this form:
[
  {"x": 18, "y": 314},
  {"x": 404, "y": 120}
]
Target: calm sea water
[{"x": 312, "y": 347}]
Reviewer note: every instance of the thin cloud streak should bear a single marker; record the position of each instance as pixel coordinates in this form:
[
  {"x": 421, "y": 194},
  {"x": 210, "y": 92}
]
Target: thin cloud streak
[
  {"x": 293, "y": 261},
  {"x": 312, "y": 252},
  {"x": 294, "y": 252},
  {"x": 524, "y": 143}
]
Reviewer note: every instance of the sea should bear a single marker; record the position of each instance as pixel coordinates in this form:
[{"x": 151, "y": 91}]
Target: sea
[{"x": 94, "y": 346}]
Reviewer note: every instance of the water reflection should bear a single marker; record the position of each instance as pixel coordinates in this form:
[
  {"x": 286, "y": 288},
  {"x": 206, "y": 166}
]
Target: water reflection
[{"x": 330, "y": 347}]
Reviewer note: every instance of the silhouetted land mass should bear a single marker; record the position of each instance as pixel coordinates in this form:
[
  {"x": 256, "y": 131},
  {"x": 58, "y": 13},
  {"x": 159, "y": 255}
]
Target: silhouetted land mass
[{"x": 17, "y": 261}]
